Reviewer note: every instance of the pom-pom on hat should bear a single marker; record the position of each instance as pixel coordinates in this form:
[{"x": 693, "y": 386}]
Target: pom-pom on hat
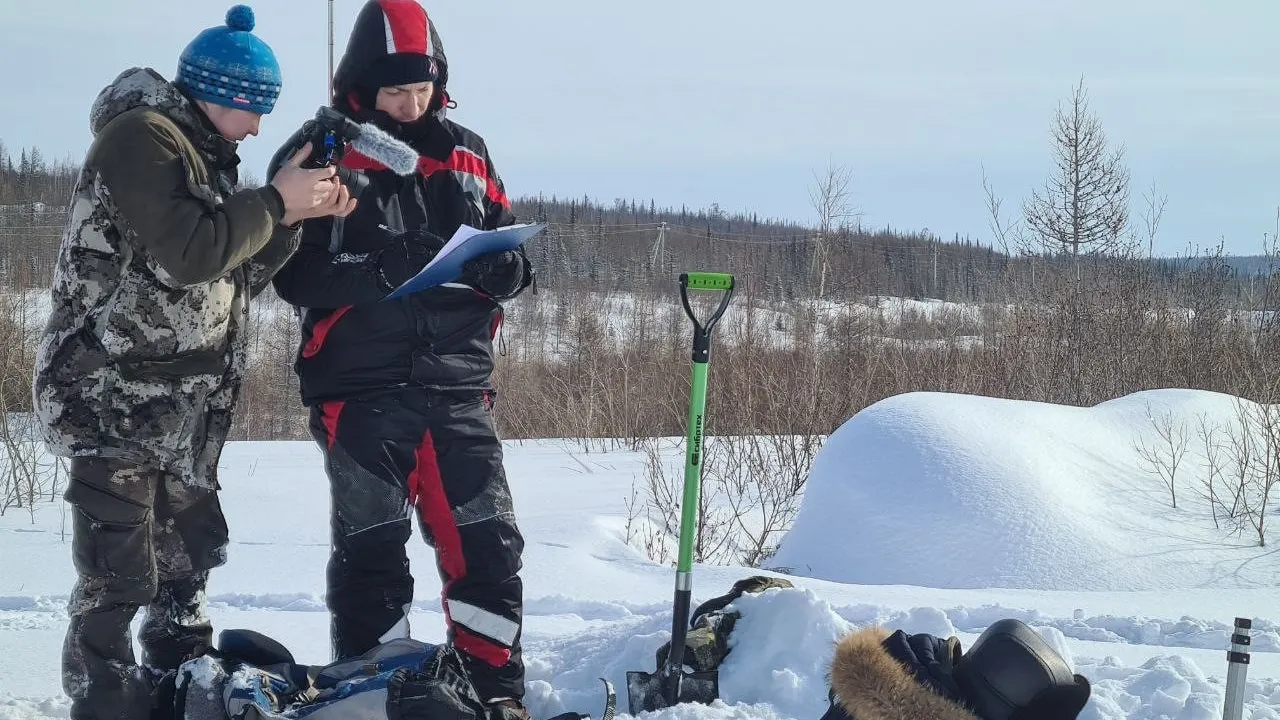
[{"x": 229, "y": 65}]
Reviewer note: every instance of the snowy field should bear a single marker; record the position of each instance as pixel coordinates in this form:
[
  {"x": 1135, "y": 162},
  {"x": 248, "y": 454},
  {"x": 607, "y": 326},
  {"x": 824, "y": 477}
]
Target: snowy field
[
  {"x": 537, "y": 325},
  {"x": 540, "y": 327},
  {"x": 931, "y": 513}
]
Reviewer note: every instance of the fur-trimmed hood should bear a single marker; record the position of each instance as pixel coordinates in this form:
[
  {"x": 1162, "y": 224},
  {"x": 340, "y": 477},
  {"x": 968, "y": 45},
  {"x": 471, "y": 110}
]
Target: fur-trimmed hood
[{"x": 870, "y": 684}]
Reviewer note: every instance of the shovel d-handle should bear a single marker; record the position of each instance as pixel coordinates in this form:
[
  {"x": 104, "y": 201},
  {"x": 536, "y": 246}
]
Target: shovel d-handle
[
  {"x": 707, "y": 281},
  {"x": 723, "y": 282}
]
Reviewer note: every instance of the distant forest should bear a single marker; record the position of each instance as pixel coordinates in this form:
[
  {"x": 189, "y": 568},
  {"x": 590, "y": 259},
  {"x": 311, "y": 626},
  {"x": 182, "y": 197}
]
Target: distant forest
[{"x": 632, "y": 244}]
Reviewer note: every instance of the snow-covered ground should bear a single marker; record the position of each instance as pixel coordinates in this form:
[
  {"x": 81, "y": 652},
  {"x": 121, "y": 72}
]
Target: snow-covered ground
[
  {"x": 544, "y": 326},
  {"x": 913, "y": 492}
]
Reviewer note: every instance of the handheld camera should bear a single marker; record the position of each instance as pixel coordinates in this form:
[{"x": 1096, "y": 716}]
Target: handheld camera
[{"x": 331, "y": 134}]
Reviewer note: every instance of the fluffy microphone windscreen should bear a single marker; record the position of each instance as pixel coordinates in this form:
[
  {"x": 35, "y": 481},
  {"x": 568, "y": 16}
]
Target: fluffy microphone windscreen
[{"x": 375, "y": 143}]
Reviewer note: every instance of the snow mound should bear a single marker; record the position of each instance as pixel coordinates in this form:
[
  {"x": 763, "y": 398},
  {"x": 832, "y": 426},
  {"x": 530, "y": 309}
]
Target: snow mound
[
  {"x": 780, "y": 652},
  {"x": 961, "y": 491}
]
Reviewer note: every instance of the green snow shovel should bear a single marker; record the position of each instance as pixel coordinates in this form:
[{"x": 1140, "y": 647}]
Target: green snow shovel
[{"x": 671, "y": 684}]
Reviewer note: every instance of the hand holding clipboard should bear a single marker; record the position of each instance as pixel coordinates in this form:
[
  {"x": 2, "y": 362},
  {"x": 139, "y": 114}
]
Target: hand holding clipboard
[{"x": 466, "y": 243}]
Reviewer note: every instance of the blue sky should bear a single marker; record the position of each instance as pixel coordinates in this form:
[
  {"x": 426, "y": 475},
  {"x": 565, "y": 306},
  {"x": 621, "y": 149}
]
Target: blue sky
[{"x": 739, "y": 103}]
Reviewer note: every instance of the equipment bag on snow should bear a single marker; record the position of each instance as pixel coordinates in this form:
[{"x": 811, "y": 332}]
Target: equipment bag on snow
[
  {"x": 251, "y": 677},
  {"x": 710, "y": 626}
]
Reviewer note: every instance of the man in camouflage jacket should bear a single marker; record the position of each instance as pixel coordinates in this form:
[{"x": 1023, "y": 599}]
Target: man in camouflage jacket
[{"x": 141, "y": 362}]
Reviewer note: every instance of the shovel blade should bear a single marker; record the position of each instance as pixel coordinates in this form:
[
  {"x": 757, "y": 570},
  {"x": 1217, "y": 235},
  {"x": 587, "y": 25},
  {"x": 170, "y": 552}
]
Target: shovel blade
[{"x": 652, "y": 691}]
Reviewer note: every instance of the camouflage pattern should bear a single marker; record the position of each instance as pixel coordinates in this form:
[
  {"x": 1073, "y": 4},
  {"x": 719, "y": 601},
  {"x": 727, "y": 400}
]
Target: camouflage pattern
[
  {"x": 140, "y": 538},
  {"x": 707, "y": 644},
  {"x": 144, "y": 352}
]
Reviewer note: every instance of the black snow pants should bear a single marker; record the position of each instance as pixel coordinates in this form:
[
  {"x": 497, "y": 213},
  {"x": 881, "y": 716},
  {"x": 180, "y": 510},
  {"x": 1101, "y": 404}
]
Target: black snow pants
[
  {"x": 436, "y": 455},
  {"x": 141, "y": 537}
]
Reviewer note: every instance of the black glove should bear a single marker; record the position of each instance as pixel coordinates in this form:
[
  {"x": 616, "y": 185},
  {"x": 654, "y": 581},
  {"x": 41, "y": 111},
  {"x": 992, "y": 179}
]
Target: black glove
[
  {"x": 502, "y": 275},
  {"x": 405, "y": 255}
]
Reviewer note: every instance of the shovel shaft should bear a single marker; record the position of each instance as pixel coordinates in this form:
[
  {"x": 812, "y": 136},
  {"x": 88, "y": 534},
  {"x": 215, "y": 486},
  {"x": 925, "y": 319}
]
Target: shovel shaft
[
  {"x": 673, "y": 674},
  {"x": 670, "y": 685},
  {"x": 694, "y": 456}
]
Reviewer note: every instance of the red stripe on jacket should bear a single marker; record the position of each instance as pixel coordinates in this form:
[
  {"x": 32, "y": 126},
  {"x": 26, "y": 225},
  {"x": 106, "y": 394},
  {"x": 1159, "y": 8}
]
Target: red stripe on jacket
[
  {"x": 321, "y": 331},
  {"x": 460, "y": 160}
]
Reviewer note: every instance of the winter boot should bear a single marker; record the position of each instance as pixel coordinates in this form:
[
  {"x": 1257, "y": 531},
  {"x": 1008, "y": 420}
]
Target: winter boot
[{"x": 508, "y": 709}]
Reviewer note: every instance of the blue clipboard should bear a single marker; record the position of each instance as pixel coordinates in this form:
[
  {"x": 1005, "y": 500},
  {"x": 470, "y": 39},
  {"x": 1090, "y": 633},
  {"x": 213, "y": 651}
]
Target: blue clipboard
[{"x": 466, "y": 243}]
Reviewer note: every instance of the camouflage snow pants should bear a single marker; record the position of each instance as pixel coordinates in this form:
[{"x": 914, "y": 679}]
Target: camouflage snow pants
[{"x": 141, "y": 538}]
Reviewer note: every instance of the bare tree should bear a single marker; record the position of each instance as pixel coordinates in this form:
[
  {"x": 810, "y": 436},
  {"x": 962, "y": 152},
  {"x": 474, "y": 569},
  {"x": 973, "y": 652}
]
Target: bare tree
[
  {"x": 1258, "y": 471},
  {"x": 751, "y": 491},
  {"x": 27, "y": 474},
  {"x": 1002, "y": 230},
  {"x": 833, "y": 204},
  {"x": 1213, "y": 465},
  {"x": 1151, "y": 217},
  {"x": 1085, "y": 204},
  {"x": 715, "y": 529},
  {"x": 765, "y": 477},
  {"x": 1245, "y": 451},
  {"x": 1082, "y": 211},
  {"x": 1268, "y": 321},
  {"x": 1166, "y": 453}
]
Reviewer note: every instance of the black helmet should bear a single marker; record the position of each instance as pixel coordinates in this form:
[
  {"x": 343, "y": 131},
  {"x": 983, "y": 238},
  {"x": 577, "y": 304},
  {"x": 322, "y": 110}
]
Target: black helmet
[{"x": 1011, "y": 673}]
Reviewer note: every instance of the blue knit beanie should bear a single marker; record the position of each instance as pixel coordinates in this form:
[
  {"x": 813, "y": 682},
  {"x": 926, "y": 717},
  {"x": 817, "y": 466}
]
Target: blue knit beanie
[{"x": 229, "y": 65}]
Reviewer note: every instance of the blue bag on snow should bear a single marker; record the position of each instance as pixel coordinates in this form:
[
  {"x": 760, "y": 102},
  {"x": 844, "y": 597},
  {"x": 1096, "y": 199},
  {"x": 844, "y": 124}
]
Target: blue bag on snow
[{"x": 251, "y": 677}]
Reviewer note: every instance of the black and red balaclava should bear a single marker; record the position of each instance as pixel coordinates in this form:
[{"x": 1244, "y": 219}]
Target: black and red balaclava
[{"x": 393, "y": 42}]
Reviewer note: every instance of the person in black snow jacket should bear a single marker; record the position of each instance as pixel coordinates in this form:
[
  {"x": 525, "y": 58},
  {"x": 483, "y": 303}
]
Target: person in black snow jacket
[{"x": 399, "y": 391}]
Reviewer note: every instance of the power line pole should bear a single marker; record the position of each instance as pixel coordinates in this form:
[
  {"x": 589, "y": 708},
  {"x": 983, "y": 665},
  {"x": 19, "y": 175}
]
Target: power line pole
[
  {"x": 329, "y": 97},
  {"x": 658, "y": 255},
  {"x": 935, "y": 269}
]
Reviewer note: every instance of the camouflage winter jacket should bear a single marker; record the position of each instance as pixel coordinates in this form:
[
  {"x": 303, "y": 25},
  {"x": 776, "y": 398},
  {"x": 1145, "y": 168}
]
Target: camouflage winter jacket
[{"x": 144, "y": 351}]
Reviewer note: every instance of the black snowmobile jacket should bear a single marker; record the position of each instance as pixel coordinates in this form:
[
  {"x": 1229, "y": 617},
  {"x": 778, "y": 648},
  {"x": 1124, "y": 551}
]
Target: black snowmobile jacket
[
  {"x": 877, "y": 675},
  {"x": 353, "y": 342}
]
